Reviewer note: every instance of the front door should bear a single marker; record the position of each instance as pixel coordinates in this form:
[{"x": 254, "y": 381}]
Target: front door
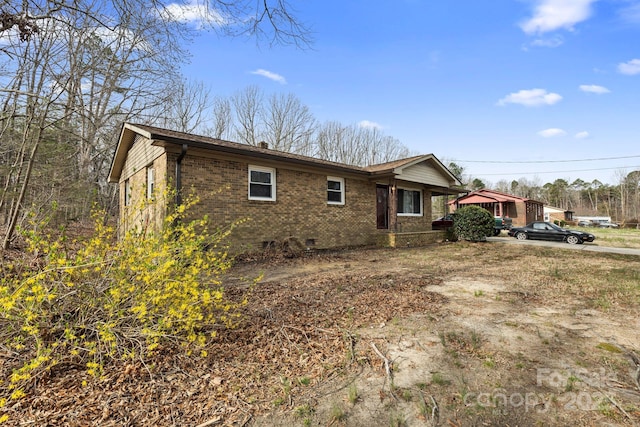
[{"x": 382, "y": 206}]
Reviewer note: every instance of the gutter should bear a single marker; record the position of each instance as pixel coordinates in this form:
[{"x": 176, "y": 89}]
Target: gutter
[{"x": 183, "y": 153}]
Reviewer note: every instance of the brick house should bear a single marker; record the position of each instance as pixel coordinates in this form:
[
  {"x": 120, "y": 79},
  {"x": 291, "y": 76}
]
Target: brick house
[
  {"x": 552, "y": 214},
  {"x": 282, "y": 196},
  {"x": 520, "y": 209}
]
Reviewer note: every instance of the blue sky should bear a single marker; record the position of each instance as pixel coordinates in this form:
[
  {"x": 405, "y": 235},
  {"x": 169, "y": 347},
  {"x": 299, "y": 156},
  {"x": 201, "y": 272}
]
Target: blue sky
[{"x": 476, "y": 82}]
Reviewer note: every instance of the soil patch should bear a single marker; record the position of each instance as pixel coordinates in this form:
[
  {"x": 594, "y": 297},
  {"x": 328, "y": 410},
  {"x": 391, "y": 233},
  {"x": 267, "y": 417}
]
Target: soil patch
[{"x": 453, "y": 334}]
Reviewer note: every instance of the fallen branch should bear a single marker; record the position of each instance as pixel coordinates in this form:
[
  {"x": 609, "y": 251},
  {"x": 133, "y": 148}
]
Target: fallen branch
[
  {"x": 636, "y": 362},
  {"x": 620, "y": 408},
  {"x": 211, "y": 422},
  {"x": 435, "y": 412},
  {"x": 386, "y": 362},
  {"x": 387, "y": 368}
]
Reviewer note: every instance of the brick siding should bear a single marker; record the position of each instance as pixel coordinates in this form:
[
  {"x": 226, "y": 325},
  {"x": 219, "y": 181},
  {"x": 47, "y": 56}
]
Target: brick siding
[{"x": 300, "y": 211}]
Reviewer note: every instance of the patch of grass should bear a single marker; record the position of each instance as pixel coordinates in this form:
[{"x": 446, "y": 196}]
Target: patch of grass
[
  {"x": 396, "y": 420},
  {"x": 304, "y": 380},
  {"x": 555, "y": 272},
  {"x": 337, "y": 413},
  {"x": 424, "y": 409},
  {"x": 609, "y": 347},
  {"x": 286, "y": 385},
  {"x": 606, "y": 409},
  {"x": 304, "y": 411},
  {"x": 353, "y": 395},
  {"x": 459, "y": 341},
  {"x": 443, "y": 338},
  {"x": 476, "y": 340},
  {"x": 438, "y": 379},
  {"x": 569, "y": 386},
  {"x": 489, "y": 362},
  {"x": 478, "y": 293},
  {"x": 602, "y": 302}
]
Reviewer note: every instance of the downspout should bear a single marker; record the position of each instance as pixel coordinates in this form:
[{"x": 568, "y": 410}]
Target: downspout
[{"x": 179, "y": 174}]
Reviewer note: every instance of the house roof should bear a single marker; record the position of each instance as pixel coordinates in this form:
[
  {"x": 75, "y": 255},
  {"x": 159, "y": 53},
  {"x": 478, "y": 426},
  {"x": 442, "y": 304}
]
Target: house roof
[
  {"x": 489, "y": 196},
  {"x": 555, "y": 209},
  {"x": 160, "y": 136}
]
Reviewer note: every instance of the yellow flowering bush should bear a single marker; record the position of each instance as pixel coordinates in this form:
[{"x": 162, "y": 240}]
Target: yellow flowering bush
[{"x": 113, "y": 299}]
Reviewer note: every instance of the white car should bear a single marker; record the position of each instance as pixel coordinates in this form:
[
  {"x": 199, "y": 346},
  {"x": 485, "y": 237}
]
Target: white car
[{"x": 607, "y": 225}]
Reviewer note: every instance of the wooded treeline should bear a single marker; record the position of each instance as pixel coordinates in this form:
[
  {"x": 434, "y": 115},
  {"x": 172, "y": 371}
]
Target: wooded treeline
[
  {"x": 620, "y": 201},
  {"x": 71, "y": 72}
]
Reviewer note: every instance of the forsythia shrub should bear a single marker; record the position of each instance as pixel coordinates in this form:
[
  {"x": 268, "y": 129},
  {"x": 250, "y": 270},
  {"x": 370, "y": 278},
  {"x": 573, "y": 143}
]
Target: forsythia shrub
[{"x": 114, "y": 299}]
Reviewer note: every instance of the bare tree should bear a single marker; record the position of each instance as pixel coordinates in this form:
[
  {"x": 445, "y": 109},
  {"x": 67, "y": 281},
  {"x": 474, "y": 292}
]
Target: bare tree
[
  {"x": 248, "y": 108},
  {"x": 29, "y": 111},
  {"x": 71, "y": 84},
  {"x": 222, "y": 119},
  {"x": 288, "y": 124},
  {"x": 185, "y": 106},
  {"x": 272, "y": 20},
  {"x": 355, "y": 145},
  {"x": 75, "y": 69},
  {"x": 337, "y": 143}
]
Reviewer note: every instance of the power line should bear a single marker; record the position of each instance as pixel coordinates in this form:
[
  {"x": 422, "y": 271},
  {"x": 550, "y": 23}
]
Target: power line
[
  {"x": 556, "y": 172},
  {"x": 548, "y": 161}
]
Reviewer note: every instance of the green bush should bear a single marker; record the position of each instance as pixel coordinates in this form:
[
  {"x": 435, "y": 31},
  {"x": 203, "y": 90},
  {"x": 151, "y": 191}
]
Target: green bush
[{"x": 473, "y": 223}]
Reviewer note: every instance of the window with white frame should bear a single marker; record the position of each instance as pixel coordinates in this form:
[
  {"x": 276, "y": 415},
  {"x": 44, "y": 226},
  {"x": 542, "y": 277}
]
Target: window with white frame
[
  {"x": 409, "y": 202},
  {"x": 335, "y": 190},
  {"x": 262, "y": 183},
  {"x": 151, "y": 182},
  {"x": 127, "y": 192}
]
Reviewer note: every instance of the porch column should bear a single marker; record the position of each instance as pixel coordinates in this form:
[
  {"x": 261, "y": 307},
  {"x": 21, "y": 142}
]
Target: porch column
[{"x": 393, "y": 206}]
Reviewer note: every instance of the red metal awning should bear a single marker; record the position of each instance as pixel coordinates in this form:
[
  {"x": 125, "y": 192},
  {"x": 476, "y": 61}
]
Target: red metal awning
[{"x": 474, "y": 199}]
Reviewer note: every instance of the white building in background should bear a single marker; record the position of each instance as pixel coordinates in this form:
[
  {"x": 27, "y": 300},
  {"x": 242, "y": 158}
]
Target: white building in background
[{"x": 595, "y": 219}]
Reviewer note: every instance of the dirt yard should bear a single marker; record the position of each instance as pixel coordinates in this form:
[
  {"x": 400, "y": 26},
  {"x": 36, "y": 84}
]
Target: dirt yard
[{"x": 455, "y": 334}]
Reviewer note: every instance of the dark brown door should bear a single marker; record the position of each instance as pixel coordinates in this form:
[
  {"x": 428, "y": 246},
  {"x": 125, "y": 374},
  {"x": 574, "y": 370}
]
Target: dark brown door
[{"x": 382, "y": 206}]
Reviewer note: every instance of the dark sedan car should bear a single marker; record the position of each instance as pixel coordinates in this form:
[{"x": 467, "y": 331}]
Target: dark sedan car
[
  {"x": 540, "y": 230},
  {"x": 442, "y": 223}
]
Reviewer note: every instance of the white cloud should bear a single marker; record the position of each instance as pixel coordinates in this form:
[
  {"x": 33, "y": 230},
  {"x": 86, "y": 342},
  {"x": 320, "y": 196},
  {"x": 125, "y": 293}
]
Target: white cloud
[
  {"x": 551, "y": 15},
  {"x": 271, "y": 76},
  {"x": 531, "y": 98},
  {"x": 582, "y": 135},
  {"x": 550, "y": 133},
  {"x": 631, "y": 13},
  {"x": 370, "y": 125},
  {"x": 594, "y": 89},
  {"x": 550, "y": 42},
  {"x": 192, "y": 11},
  {"x": 631, "y": 67}
]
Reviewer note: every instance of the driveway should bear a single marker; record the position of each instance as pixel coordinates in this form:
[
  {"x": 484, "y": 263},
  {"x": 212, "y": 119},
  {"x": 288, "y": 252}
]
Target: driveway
[{"x": 591, "y": 247}]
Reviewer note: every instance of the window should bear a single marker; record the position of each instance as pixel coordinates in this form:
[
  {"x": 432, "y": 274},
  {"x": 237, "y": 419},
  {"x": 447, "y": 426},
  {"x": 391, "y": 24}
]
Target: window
[
  {"x": 262, "y": 183},
  {"x": 409, "y": 202},
  {"x": 151, "y": 182},
  {"x": 127, "y": 192},
  {"x": 335, "y": 190}
]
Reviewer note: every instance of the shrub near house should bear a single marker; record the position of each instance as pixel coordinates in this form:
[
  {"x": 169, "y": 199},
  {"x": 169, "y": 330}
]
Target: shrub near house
[{"x": 473, "y": 223}]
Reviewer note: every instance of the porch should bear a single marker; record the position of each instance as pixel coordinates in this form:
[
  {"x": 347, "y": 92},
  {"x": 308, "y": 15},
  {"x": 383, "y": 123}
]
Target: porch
[{"x": 409, "y": 239}]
